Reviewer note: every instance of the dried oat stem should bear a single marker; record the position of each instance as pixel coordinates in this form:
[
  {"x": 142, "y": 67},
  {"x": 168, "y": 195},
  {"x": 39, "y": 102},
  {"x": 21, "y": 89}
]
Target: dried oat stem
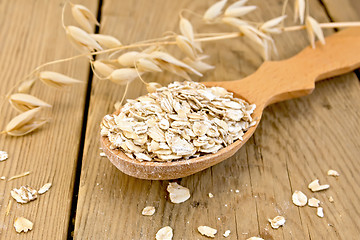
[
  {"x": 18, "y": 176},
  {"x": 189, "y": 11},
  {"x": 324, "y": 25},
  {"x": 125, "y": 91},
  {"x": 283, "y": 11},
  {"x": 63, "y": 15},
  {"x": 164, "y": 41},
  {"x": 8, "y": 208}
]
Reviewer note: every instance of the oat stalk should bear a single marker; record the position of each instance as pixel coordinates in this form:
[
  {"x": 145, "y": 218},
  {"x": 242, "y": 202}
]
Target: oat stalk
[{"x": 153, "y": 56}]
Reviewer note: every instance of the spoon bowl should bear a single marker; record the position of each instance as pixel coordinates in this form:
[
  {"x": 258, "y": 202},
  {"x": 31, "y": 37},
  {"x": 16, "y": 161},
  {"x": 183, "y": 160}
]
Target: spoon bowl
[{"x": 273, "y": 82}]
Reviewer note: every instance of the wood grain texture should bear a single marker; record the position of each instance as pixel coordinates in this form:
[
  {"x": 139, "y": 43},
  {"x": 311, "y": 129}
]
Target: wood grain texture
[
  {"x": 31, "y": 34},
  {"x": 297, "y": 141},
  {"x": 347, "y": 10}
]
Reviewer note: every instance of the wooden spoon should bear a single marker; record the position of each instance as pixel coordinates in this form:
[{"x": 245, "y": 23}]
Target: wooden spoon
[{"x": 273, "y": 82}]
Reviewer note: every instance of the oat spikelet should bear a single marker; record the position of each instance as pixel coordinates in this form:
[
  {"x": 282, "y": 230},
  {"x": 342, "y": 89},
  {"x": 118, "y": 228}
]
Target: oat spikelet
[
  {"x": 54, "y": 79},
  {"x": 104, "y": 69},
  {"x": 214, "y": 11},
  {"x": 198, "y": 65},
  {"x": 82, "y": 38},
  {"x": 175, "y": 70},
  {"x": 129, "y": 59},
  {"x": 246, "y": 30},
  {"x": 313, "y": 29},
  {"x": 24, "y": 123},
  {"x": 26, "y": 86},
  {"x": 123, "y": 76},
  {"x": 146, "y": 65},
  {"x": 272, "y": 26},
  {"x": 24, "y": 102},
  {"x": 239, "y": 11},
  {"x": 106, "y": 41},
  {"x": 299, "y": 11},
  {"x": 186, "y": 29},
  {"x": 237, "y": 4},
  {"x": 186, "y": 46},
  {"x": 167, "y": 58},
  {"x": 235, "y": 22},
  {"x": 83, "y": 17},
  {"x": 152, "y": 86}
]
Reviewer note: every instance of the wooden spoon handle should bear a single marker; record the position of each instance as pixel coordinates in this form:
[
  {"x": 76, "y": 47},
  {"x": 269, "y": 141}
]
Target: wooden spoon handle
[{"x": 294, "y": 77}]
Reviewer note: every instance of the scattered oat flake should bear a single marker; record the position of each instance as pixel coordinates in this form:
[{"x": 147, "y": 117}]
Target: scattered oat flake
[
  {"x": 165, "y": 233},
  {"x": 24, "y": 194},
  {"x": 211, "y": 195},
  {"x": 19, "y": 176},
  {"x": 237, "y": 190},
  {"x": 2, "y": 178},
  {"x": 320, "y": 212},
  {"x": 315, "y": 186},
  {"x": 333, "y": 173},
  {"x": 227, "y": 233},
  {"x": 207, "y": 231},
  {"x": 44, "y": 188},
  {"x": 255, "y": 238},
  {"x": 148, "y": 211},
  {"x": 331, "y": 199},
  {"x": 178, "y": 193},
  {"x": 22, "y": 224},
  {"x": 299, "y": 198},
  {"x": 313, "y": 202},
  {"x": 277, "y": 222},
  {"x": 3, "y": 156},
  {"x": 102, "y": 154}
]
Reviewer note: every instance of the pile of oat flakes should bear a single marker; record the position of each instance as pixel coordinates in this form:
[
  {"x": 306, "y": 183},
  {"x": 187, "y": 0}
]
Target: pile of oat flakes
[{"x": 180, "y": 121}]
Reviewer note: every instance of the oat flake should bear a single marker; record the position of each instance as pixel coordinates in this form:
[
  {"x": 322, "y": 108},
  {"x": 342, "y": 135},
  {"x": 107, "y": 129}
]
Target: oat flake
[
  {"x": 3, "y": 156},
  {"x": 320, "y": 212},
  {"x": 148, "y": 211},
  {"x": 227, "y": 233},
  {"x": 24, "y": 194},
  {"x": 333, "y": 173},
  {"x": 211, "y": 195},
  {"x": 207, "y": 231},
  {"x": 165, "y": 233},
  {"x": 277, "y": 222},
  {"x": 178, "y": 193},
  {"x": 255, "y": 238},
  {"x": 22, "y": 224},
  {"x": 313, "y": 202},
  {"x": 331, "y": 199},
  {"x": 44, "y": 188},
  {"x": 315, "y": 186},
  {"x": 299, "y": 198}
]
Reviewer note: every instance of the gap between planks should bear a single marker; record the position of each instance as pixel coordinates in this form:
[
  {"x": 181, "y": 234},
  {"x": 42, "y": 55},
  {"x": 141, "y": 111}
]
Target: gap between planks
[{"x": 74, "y": 200}]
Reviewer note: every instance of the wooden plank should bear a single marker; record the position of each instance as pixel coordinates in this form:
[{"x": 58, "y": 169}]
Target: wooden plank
[
  {"x": 346, "y": 10},
  {"x": 297, "y": 142},
  {"x": 31, "y": 34}
]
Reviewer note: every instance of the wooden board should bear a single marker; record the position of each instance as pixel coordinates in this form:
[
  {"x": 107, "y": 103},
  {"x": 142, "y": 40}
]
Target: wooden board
[
  {"x": 347, "y": 11},
  {"x": 297, "y": 142},
  {"x": 31, "y": 34}
]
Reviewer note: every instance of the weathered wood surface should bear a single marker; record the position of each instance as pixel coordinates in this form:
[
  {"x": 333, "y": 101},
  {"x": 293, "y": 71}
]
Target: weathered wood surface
[
  {"x": 297, "y": 142},
  {"x": 31, "y": 34}
]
